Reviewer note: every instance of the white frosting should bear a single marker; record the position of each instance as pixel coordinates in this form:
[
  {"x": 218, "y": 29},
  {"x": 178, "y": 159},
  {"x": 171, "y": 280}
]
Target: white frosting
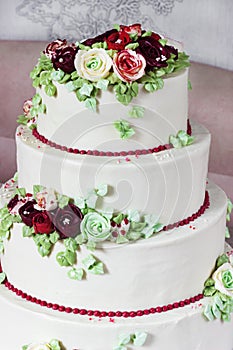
[
  {"x": 169, "y": 267},
  {"x": 170, "y": 184},
  {"x": 68, "y": 122}
]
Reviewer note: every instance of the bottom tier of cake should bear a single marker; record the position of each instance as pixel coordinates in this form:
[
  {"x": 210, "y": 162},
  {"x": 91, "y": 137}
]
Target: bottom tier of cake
[{"x": 179, "y": 329}]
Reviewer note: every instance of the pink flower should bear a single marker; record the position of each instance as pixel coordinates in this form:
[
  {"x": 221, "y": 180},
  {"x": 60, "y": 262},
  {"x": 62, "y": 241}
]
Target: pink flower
[
  {"x": 51, "y": 48},
  {"x": 128, "y": 65},
  {"x": 27, "y": 106}
]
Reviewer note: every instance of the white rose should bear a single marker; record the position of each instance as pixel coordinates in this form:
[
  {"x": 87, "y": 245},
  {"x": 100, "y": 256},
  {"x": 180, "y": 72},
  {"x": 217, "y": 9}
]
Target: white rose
[
  {"x": 93, "y": 64},
  {"x": 40, "y": 346},
  {"x": 223, "y": 278},
  {"x": 47, "y": 199}
]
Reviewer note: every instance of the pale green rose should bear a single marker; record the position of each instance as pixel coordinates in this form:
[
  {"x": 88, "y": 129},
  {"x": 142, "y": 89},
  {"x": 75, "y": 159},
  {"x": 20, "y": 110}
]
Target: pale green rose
[
  {"x": 93, "y": 64},
  {"x": 39, "y": 346},
  {"x": 223, "y": 278},
  {"x": 96, "y": 227}
]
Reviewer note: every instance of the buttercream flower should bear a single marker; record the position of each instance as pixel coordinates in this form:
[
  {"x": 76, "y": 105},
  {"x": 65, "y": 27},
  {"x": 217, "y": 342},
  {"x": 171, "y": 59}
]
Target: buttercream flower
[
  {"x": 67, "y": 220},
  {"x": 47, "y": 199},
  {"x": 223, "y": 278},
  {"x": 41, "y": 223},
  {"x": 27, "y": 212},
  {"x": 155, "y": 54},
  {"x": 39, "y": 346},
  {"x": 99, "y": 38},
  {"x": 133, "y": 29},
  {"x": 27, "y": 106},
  {"x": 64, "y": 59},
  {"x": 16, "y": 203},
  {"x": 129, "y": 65},
  {"x": 96, "y": 227},
  {"x": 118, "y": 40},
  {"x": 51, "y": 48},
  {"x": 93, "y": 64}
]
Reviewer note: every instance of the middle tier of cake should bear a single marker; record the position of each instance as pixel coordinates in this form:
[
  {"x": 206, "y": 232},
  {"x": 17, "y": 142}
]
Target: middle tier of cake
[{"x": 169, "y": 184}]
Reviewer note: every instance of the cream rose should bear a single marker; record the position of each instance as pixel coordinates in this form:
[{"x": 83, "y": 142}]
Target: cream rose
[
  {"x": 47, "y": 199},
  {"x": 93, "y": 64},
  {"x": 128, "y": 65},
  {"x": 39, "y": 346},
  {"x": 223, "y": 278}
]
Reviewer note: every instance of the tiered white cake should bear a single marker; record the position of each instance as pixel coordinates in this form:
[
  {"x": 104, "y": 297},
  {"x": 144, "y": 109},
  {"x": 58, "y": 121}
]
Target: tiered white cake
[{"x": 112, "y": 187}]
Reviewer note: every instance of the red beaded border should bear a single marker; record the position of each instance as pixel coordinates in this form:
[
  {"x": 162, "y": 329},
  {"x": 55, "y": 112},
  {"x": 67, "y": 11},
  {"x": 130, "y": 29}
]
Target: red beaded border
[
  {"x": 137, "y": 152},
  {"x": 102, "y": 314}
]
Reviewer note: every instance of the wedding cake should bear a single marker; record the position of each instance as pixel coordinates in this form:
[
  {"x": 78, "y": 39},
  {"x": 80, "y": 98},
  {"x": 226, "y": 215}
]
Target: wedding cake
[{"x": 111, "y": 237}]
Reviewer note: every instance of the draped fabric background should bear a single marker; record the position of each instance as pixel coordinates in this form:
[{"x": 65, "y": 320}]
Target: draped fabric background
[{"x": 205, "y": 27}]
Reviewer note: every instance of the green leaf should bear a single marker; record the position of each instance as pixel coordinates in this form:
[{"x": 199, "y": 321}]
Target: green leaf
[
  {"x": 121, "y": 239},
  {"x": 4, "y": 234},
  {"x": 163, "y": 42},
  {"x": 117, "y": 27},
  {"x": 63, "y": 200},
  {"x": 102, "y": 84},
  {"x": 74, "y": 75},
  {"x": 57, "y": 75},
  {"x": 136, "y": 112},
  {"x": 70, "y": 257},
  {"x": 82, "y": 47},
  {"x": 65, "y": 79},
  {"x": 45, "y": 78},
  {"x": 124, "y": 339},
  {"x": 124, "y": 128},
  {"x": 1, "y": 247},
  {"x": 80, "y": 239},
  {"x": 222, "y": 259},
  {"x": 86, "y": 89},
  {"x": 139, "y": 338},
  {"x": 151, "y": 87},
  {"x": 6, "y": 223},
  {"x": 189, "y": 85},
  {"x": 79, "y": 202},
  {"x": 2, "y": 277},
  {"x": 133, "y": 235},
  {"x": 4, "y": 213},
  {"x": 44, "y": 251},
  {"x": 89, "y": 261},
  {"x": 55, "y": 344},
  {"x": 226, "y": 317},
  {"x": 227, "y": 233},
  {"x": 120, "y": 88},
  {"x": 91, "y": 104},
  {"x": 62, "y": 259},
  {"x": 22, "y": 119},
  {"x": 209, "y": 282},
  {"x": 102, "y": 190},
  {"x": 209, "y": 291},
  {"x": 117, "y": 219},
  {"x": 112, "y": 77},
  {"x": 158, "y": 227},
  {"x": 71, "y": 86},
  {"x": 91, "y": 200},
  {"x": 50, "y": 89},
  {"x": 208, "y": 313},
  {"x": 124, "y": 99},
  {"x": 91, "y": 245},
  {"x": 24, "y": 347},
  {"x": 97, "y": 268},
  {"x": 76, "y": 274},
  {"x": 27, "y": 231},
  {"x": 70, "y": 244},
  {"x": 148, "y": 33},
  {"x": 133, "y": 215},
  {"x": 134, "y": 89},
  {"x": 36, "y": 189},
  {"x": 36, "y": 100},
  {"x": 54, "y": 237},
  {"x": 132, "y": 46}
]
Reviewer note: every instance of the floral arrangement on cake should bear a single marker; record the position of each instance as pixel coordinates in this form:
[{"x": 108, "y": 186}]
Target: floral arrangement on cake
[{"x": 119, "y": 59}]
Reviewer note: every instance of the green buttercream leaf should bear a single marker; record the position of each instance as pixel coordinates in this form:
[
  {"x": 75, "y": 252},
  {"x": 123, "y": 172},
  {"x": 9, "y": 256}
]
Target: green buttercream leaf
[
  {"x": 222, "y": 259},
  {"x": 102, "y": 190},
  {"x": 209, "y": 291},
  {"x": 71, "y": 86},
  {"x": 117, "y": 219},
  {"x": 117, "y": 27},
  {"x": 24, "y": 347},
  {"x": 36, "y": 189},
  {"x": 227, "y": 233},
  {"x": 54, "y": 237},
  {"x": 1, "y": 247},
  {"x": 147, "y": 33},
  {"x": 133, "y": 235},
  {"x": 70, "y": 257},
  {"x": 86, "y": 89},
  {"x": 80, "y": 239},
  {"x": 22, "y": 119},
  {"x": 20, "y": 191},
  {"x": 65, "y": 79},
  {"x": 4, "y": 213},
  {"x": 139, "y": 338},
  {"x": 124, "y": 99},
  {"x": 91, "y": 199},
  {"x": 209, "y": 282},
  {"x": 163, "y": 42},
  {"x": 97, "y": 268},
  {"x": 112, "y": 77},
  {"x": 62, "y": 200},
  {"x": 70, "y": 244},
  {"x": 62, "y": 259},
  {"x": 229, "y": 209},
  {"x": 208, "y": 313},
  {"x": 45, "y": 78},
  {"x": 50, "y": 89},
  {"x": 126, "y": 131},
  {"x": 102, "y": 84},
  {"x": 124, "y": 339},
  {"x": 57, "y": 75},
  {"x": 4, "y": 234},
  {"x": 55, "y": 344},
  {"x": 43, "y": 251},
  {"x": 91, "y": 104},
  {"x": 132, "y": 46},
  {"x": 82, "y": 47},
  {"x": 157, "y": 227},
  {"x": 218, "y": 301},
  {"x": 151, "y": 87},
  {"x": 76, "y": 274},
  {"x": 121, "y": 239},
  {"x": 74, "y": 75},
  {"x": 41, "y": 109},
  {"x": 79, "y": 202},
  {"x": 175, "y": 141},
  {"x": 2, "y": 277},
  {"x": 226, "y": 317},
  {"x": 182, "y": 139},
  {"x": 189, "y": 85},
  {"x": 27, "y": 231},
  {"x": 136, "y": 112},
  {"x": 120, "y": 88},
  {"x": 133, "y": 215},
  {"x": 6, "y": 224},
  {"x": 36, "y": 100},
  {"x": 91, "y": 245},
  {"x": 216, "y": 312},
  {"x": 89, "y": 261},
  {"x": 160, "y": 72},
  {"x": 107, "y": 212}
]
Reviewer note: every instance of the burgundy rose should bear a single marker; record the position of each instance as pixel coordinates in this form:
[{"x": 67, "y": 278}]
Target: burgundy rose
[
  {"x": 64, "y": 59},
  {"x": 51, "y": 48},
  {"x": 13, "y": 202},
  {"x": 118, "y": 40},
  {"x": 27, "y": 212},
  {"x": 156, "y": 54},
  {"x": 99, "y": 38},
  {"x": 42, "y": 223},
  {"x": 133, "y": 29},
  {"x": 67, "y": 220}
]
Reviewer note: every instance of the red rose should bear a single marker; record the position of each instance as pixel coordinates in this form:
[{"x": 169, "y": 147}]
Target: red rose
[
  {"x": 67, "y": 220},
  {"x": 99, "y": 38},
  {"x": 64, "y": 59},
  {"x": 128, "y": 65},
  {"x": 155, "y": 54},
  {"x": 133, "y": 29},
  {"x": 118, "y": 40},
  {"x": 51, "y": 48},
  {"x": 42, "y": 223},
  {"x": 27, "y": 212}
]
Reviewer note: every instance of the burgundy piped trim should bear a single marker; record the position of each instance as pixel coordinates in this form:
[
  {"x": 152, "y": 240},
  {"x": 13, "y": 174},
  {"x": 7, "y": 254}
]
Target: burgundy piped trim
[
  {"x": 102, "y": 314},
  {"x": 97, "y": 153},
  {"x": 193, "y": 217}
]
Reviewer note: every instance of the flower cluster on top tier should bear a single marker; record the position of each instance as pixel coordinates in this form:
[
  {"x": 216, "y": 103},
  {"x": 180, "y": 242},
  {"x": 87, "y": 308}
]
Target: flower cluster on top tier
[{"x": 120, "y": 58}]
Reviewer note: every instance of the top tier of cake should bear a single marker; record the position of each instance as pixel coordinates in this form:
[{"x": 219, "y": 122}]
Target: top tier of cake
[{"x": 123, "y": 90}]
